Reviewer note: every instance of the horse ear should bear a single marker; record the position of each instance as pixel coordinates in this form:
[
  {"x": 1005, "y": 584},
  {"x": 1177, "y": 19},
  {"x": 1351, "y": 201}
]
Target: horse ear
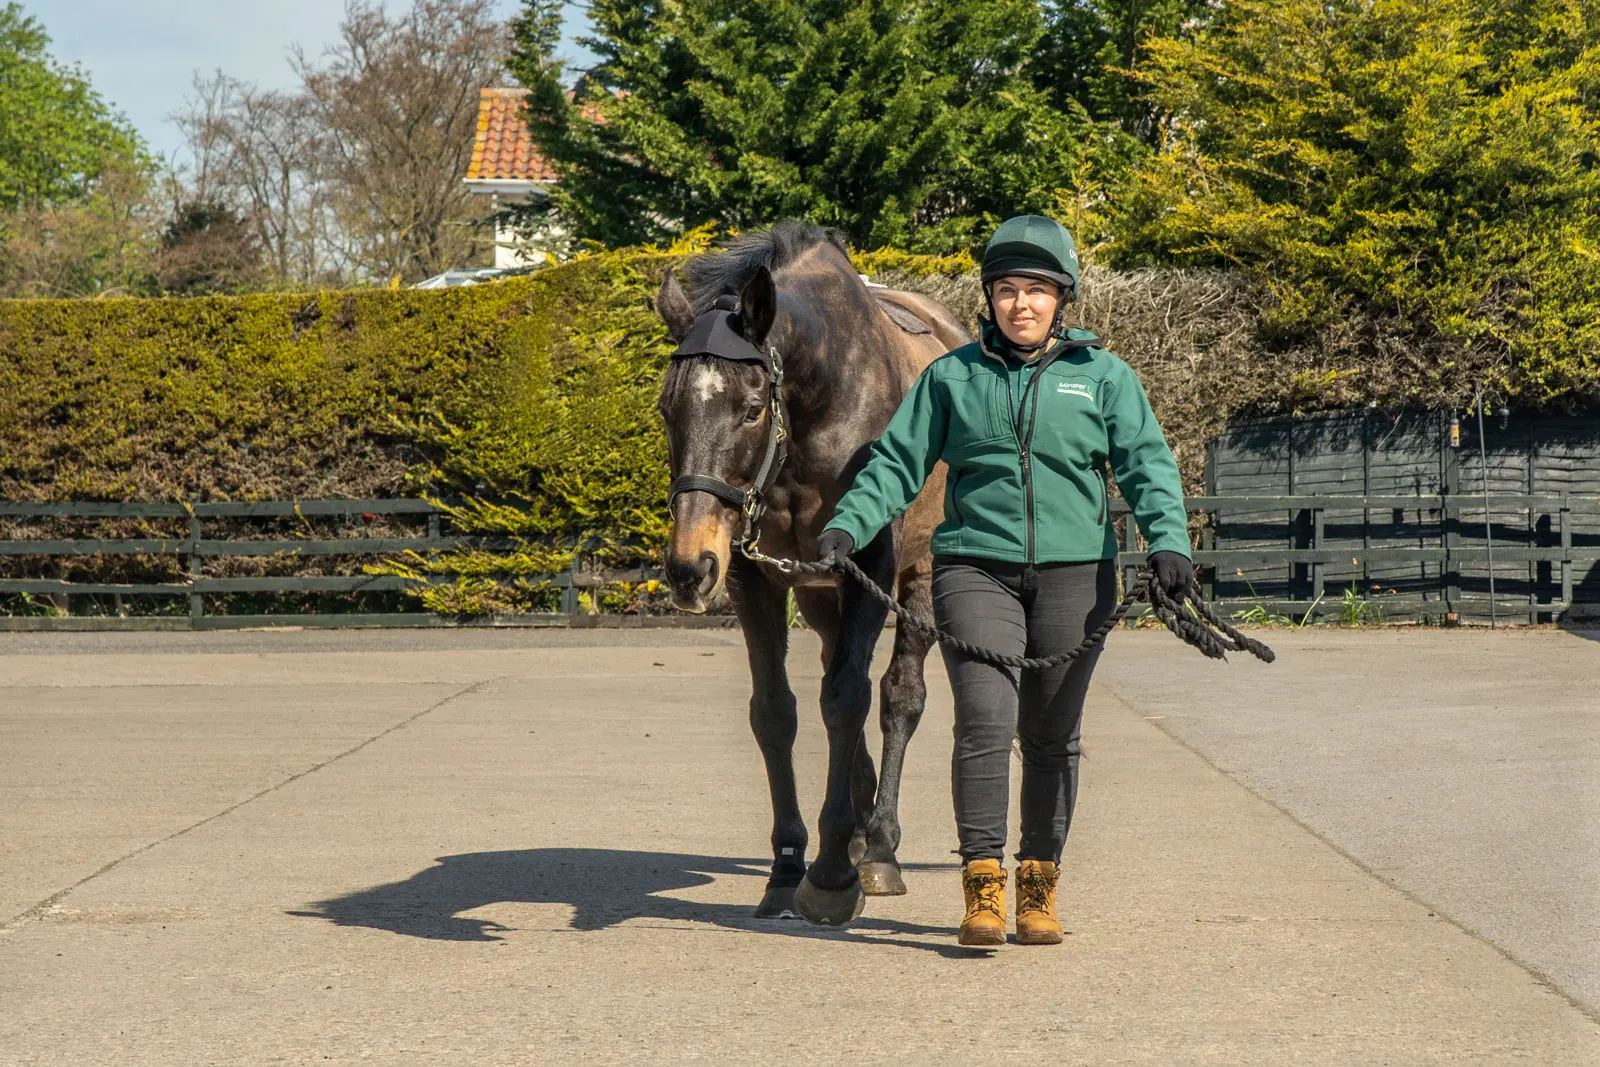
[
  {"x": 672, "y": 304},
  {"x": 758, "y": 304}
]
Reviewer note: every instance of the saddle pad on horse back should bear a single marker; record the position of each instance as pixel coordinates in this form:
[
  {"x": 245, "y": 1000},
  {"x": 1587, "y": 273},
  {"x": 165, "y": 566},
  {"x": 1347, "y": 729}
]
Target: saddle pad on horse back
[{"x": 903, "y": 318}]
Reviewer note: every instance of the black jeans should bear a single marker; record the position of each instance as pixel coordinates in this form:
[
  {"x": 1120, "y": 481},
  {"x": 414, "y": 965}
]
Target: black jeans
[{"x": 1032, "y": 611}]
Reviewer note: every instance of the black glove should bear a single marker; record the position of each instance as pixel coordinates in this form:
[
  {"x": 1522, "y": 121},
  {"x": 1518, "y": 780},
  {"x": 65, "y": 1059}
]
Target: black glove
[
  {"x": 834, "y": 543},
  {"x": 1174, "y": 572}
]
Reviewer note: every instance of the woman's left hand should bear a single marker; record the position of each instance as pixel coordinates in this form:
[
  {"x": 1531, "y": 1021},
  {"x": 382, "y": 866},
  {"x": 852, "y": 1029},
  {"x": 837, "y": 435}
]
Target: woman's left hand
[{"x": 1174, "y": 572}]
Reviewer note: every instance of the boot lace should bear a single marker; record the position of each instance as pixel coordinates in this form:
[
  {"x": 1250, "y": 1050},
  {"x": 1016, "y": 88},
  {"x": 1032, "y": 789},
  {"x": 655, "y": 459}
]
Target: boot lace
[
  {"x": 1034, "y": 888},
  {"x": 988, "y": 893}
]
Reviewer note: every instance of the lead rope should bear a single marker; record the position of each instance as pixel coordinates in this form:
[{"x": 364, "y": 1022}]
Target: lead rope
[{"x": 1187, "y": 615}]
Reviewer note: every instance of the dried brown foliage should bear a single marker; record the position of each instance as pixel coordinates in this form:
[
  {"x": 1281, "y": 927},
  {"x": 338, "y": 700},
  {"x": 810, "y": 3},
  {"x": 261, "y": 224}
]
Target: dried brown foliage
[{"x": 1201, "y": 343}]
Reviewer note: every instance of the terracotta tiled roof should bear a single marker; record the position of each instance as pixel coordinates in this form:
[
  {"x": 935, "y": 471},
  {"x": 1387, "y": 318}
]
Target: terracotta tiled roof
[{"x": 503, "y": 148}]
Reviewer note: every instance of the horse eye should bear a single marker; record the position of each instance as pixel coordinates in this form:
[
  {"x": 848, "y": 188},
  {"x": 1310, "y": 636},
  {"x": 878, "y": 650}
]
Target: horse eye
[{"x": 753, "y": 416}]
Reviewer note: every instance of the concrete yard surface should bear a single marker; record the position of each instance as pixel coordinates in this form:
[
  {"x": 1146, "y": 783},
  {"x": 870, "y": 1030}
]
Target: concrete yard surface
[{"x": 530, "y": 847}]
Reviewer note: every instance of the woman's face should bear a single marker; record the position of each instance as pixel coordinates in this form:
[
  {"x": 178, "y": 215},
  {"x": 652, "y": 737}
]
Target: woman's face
[{"x": 1024, "y": 308}]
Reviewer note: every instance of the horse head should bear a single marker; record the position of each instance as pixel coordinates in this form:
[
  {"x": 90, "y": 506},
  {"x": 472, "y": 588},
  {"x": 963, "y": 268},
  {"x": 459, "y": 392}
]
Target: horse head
[{"x": 719, "y": 415}]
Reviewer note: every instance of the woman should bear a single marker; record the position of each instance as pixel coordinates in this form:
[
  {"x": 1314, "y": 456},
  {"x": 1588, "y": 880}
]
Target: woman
[{"x": 1028, "y": 418}]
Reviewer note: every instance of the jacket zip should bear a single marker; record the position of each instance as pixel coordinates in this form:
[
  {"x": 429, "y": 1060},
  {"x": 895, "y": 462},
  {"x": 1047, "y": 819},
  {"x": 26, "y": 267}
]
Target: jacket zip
[
  {"x": 1013, "y": 412},
  {"x": 1043, "y": 364},
  {"x": 1026, "y": 446}
]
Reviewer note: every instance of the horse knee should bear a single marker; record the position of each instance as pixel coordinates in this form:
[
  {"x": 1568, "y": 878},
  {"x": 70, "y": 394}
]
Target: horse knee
[
  {"x": 774, "y": 720},
  {"x": 902, "y": 699},
  {"x": 846, "y": 695}
]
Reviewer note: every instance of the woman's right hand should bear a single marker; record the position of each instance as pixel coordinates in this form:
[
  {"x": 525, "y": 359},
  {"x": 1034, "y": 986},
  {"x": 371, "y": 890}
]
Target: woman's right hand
[{"x": 834, "y": 544}]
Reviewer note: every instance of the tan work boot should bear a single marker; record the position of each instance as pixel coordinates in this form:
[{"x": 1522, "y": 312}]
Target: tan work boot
[
  {"x": 984, "y": 884},
  {"x": 1036, "y": 903}
]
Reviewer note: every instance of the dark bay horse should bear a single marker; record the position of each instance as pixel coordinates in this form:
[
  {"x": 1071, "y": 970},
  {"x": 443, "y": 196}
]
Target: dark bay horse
[{"x": 848, "y": 355}]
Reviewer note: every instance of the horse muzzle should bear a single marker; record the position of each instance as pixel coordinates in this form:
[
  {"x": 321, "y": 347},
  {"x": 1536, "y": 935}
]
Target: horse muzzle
[
  {"x": 694, "y": 581},
  {"x": 698, "y": 554}
]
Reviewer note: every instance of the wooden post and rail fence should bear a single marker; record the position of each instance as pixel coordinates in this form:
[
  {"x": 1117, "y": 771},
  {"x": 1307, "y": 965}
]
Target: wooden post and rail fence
[{"x": 1441, "y": 552}]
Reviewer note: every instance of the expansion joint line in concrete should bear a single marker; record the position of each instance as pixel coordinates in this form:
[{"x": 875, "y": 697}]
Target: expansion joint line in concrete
[{"x": 55, "y": 898}]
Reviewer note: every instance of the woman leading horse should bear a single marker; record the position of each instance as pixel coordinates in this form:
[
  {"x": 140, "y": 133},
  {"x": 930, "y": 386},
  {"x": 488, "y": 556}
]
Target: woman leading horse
[{"x": 1029, "y": 419}]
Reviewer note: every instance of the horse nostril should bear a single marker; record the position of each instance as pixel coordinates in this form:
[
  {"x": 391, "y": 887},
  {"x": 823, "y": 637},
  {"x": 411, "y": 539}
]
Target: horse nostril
[{"x": 707, "y": 566}]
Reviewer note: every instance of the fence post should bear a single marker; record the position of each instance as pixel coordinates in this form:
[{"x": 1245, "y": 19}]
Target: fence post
[
  {"x": 1366, "y": 491},
  {"x": 1316, "y": 545},
  {"x": 1130, "y": 543},
  {"x": 1449, "y": 527},
  {"x": 569, "y": 592},
  {"x": 1450, "y": 524},
  {"x": 1208, "y": 531},
  {"x": 1300, "y": 535},
  {"x": 196, "y": 601},
  {"x": 1566, "y": 554},
  {"x": 1533, "y": 538}
]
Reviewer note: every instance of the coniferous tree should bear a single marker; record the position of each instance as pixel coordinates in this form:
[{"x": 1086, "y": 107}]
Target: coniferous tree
[
  {"x": 1093, "y": 50},
  {"x": 1430, "y": 160},
  {"x": 535, "y": 35},
  {"x": 914, "y": 123}
]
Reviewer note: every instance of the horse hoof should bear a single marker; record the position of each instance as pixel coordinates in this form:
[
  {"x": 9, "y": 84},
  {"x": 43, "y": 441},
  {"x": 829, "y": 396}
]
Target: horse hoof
[
  {"x": 778, "y": 903},
  {"x": 880, "y": 879},
  {"x": 829, "y": 907}
]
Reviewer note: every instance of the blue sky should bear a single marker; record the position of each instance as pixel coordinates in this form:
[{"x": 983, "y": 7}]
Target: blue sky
[{"x": 141, "y": 55}]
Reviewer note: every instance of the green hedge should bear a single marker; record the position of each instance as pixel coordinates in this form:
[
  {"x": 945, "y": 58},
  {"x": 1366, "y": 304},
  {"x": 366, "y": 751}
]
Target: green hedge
[
  {"x": 527, "y": 404},
  {"x": 530, "y": 402},
  {"x": 541, "y": 386}
]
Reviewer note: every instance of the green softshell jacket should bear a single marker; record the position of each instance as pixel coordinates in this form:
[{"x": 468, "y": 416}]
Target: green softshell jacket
[{"x": 1028, "y": 444}]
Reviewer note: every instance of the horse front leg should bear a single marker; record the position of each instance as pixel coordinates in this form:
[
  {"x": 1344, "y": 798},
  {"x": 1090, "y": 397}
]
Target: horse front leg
[
  {"x": 903, "y": 694},
  {"x": 761, "y": 607},
  {"x": 831, "y": 893}
]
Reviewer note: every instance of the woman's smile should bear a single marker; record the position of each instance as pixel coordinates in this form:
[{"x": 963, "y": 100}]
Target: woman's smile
[{"x": 1025, "y": 308}]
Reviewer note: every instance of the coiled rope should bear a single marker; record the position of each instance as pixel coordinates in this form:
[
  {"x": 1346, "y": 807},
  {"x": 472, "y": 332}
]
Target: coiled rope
[{"x": 1186, "y": 615}]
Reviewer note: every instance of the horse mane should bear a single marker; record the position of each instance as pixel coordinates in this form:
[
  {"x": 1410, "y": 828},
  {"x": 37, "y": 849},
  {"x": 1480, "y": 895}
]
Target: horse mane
[{"x": 724, "y": 271}]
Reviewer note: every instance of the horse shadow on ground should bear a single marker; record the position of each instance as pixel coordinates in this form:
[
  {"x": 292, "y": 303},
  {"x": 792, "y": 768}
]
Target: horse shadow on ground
[{"x": 604, "y": 888}]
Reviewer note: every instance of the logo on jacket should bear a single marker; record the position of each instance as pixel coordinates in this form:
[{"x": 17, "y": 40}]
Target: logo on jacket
[{"x": 1074, "y": 389}]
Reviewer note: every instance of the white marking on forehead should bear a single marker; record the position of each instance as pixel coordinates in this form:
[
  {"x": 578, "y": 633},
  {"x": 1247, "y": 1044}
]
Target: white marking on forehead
[{"x": 708, "y": 383}]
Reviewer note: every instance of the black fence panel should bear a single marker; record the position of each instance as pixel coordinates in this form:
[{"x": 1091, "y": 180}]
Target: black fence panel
[
  {"x": 1419, "y": 454},
  {"x": 1412, "y": 550}
]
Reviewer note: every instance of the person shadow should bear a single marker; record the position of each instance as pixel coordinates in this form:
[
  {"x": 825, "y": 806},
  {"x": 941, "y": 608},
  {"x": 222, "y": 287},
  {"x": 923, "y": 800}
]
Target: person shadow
[{"x": 603, "y": 887}]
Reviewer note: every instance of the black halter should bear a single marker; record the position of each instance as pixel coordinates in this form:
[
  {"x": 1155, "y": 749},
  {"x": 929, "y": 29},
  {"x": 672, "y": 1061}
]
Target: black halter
[{"x": 717, "y": 333}]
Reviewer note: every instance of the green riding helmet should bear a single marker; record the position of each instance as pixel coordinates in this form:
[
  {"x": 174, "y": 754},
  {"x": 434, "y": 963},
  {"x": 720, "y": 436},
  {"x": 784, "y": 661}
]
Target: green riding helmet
[{"x": 1035, "y": 247}]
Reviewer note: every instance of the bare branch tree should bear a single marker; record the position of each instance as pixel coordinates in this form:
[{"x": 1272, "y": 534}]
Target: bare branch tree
[
  {"x": 202, "y": 120},
  {"x": 396, "y": 102},
  {"x": 273, "y": 151},
  {"x": 357, "y": 174},
  {"x": 259, "y": 152}
]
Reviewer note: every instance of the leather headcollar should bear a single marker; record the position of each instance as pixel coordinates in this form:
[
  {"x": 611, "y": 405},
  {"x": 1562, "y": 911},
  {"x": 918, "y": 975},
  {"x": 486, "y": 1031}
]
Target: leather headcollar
[{"x": 719, "y": 332}]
